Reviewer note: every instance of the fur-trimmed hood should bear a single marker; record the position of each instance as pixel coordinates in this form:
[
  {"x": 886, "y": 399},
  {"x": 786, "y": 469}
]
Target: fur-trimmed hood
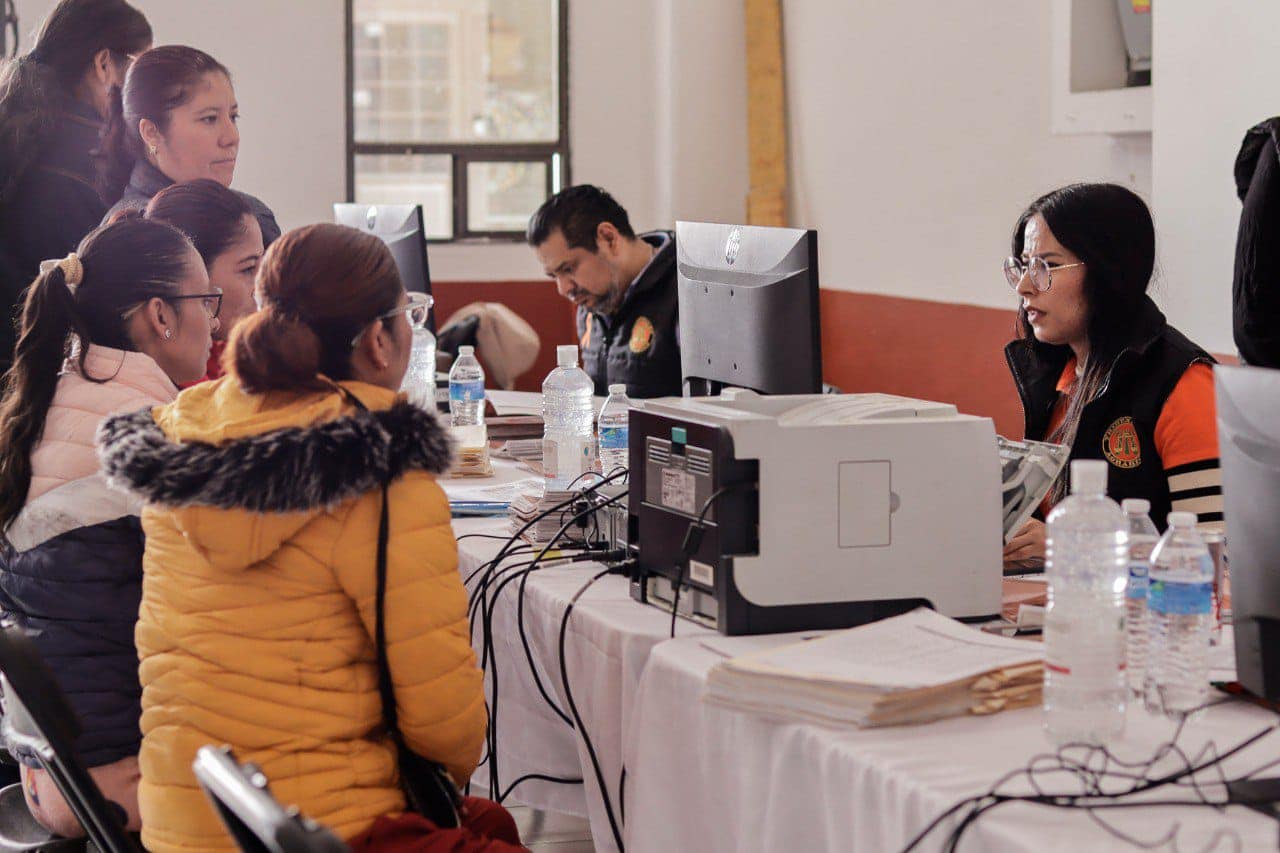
[{"x": 217, "y": 454}]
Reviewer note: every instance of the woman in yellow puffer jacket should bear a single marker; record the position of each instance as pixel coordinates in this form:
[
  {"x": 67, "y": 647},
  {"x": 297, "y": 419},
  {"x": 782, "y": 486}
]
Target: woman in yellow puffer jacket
[{"x": 263, "y": 493}]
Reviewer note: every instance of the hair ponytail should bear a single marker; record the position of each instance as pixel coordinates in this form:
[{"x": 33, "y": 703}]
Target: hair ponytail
[
  {"x": 47, "y": 321},
  {"x": 122, "y": 265},
  {"x": 271, "y": 350},
  {"x": 318, "y": 287},
  {"x": 115, "y": 155}
]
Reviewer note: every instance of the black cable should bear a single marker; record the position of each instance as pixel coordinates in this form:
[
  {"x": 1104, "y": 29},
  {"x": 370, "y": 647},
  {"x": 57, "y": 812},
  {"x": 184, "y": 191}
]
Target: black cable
[
  {"x": 1093, "y": 794},
  {"x": 691, "y": 543},
  {"x": 488, "y": 654},
  {"x": 577, "y": 717},
  {"x": 537, "y": 777}
]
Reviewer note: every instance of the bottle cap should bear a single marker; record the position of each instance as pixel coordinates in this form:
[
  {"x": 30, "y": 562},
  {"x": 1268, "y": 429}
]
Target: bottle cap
[
  {"x": 1088, "y": 477},
  {"x": 1182, "y": 520},
  {"x": 620, "y": 388},
  {"x": 1136, "y": 506},
  {"x": 466, "y": 351},
  {"x": 567, "y": 355}
]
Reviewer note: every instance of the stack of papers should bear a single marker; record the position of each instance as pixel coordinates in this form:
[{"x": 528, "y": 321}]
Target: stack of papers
[
  {"x": 530, "y": 504},
  {"x": 913, "y": 668}
]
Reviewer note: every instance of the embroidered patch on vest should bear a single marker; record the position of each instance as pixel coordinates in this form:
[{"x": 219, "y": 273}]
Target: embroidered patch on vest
[
  {"x": 1120, "y": 444},
  {"x": 641, "y": 335}
]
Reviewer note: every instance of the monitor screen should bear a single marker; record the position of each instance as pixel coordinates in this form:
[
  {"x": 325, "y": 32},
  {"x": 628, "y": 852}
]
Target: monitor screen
[
  {"x": 748, "y": 308},
  {"x": 400, "y": 226},
  {"x": 1248, "y": 401}
]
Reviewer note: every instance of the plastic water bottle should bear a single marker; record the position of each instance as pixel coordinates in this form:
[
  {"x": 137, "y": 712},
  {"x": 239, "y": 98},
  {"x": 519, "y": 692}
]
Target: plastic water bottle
[
  {"x": 1181, "y": 608},
  {"x": 466, "y": 399},
  {"x": 614, "y": 418},
  {"x": 568, "y": 442},
  {"x": 1143, "y": 537},
  {"x": 1086, "y": 558},
  {"x": 420, "y": 379}
]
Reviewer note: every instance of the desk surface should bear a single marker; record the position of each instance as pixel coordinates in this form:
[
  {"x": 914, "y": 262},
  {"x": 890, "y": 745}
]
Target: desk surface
[{"x": 700, "y": 777}]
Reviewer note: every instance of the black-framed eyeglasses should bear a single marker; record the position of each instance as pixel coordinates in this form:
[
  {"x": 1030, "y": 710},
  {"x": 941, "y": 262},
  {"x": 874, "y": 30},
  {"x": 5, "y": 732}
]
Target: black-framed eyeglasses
[
  {"x": 1039, "y": 270},
  {"x": 417, "y": 306},
  {"x": 211, "y": 302}
]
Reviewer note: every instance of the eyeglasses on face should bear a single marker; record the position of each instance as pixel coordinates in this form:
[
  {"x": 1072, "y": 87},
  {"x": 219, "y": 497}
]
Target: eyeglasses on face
[
  {"x": 1039, "y": 270},
  {"x": 417, "y": 306},
  {"x": 211, "y": 302}
]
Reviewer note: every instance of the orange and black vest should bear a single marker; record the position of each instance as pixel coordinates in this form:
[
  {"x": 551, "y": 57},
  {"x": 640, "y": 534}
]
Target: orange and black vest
[{"x": 1119, "y": 424}]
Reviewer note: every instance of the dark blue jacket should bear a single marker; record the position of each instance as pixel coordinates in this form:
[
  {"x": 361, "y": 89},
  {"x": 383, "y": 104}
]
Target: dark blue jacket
[
  {"x": 146, "y": 180},
  {"x": 77, "y": 596}
]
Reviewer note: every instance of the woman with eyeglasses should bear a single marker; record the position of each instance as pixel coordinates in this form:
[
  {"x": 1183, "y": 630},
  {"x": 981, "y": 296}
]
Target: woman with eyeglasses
[
  {"x": 175, "y": 120},
  {"x": 1096, "y": 365},
  {"x": 229, "y": 239},
  {"x": 114, "y": 326},
  {"x": 265, "y": 491},
  {"x": 54, "y": 101}
]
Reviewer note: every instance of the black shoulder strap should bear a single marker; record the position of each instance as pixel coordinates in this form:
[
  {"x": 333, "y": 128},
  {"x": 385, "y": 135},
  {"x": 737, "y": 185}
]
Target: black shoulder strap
[{"x": 385, "y": 687}]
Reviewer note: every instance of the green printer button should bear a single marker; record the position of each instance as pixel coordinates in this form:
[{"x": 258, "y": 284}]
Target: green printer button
[{"x": 679, "y": 435}]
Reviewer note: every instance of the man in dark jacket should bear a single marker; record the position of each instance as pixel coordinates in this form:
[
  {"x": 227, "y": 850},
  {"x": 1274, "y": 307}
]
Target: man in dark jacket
[
  {"x": 623, "y": 284},
  {"x": 1255, "y": 291}
]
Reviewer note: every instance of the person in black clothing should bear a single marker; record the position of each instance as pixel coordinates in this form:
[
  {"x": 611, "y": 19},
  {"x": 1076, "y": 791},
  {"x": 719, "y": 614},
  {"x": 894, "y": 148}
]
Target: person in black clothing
[
  {"x": 624, "y": 286},
  {"x": 174, "y": 121},
  {"x": 53, "y": 102},
  {"x": 1255, "y": 292}
]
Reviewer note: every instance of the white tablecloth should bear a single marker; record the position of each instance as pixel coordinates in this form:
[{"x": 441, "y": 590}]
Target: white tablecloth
[
  {"x": 706, "y": 778},
  {"x": 609, "y": 640}
]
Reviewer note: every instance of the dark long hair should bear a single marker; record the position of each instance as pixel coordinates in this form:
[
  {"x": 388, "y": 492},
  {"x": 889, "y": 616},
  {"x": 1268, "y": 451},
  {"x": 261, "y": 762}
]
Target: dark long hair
[
  {"x": 38, "y": 86},
  {"x": 159, "y": 81},
  {"x": 206, "y": 211},
  {"x": 125, "y": 263},
  {"x": 1109, "y": 228},
  {"x": 317, "y": 288}
]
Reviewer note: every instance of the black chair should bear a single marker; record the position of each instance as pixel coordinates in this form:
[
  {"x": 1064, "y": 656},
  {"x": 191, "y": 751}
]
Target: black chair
[
  {"x": 38, "y": 719},
  {"x": 254, "y": 818}
]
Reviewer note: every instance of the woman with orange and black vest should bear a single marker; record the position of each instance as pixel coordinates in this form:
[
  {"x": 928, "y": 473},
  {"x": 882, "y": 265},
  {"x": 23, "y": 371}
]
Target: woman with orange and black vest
[{"x": 1097, "y": 366}]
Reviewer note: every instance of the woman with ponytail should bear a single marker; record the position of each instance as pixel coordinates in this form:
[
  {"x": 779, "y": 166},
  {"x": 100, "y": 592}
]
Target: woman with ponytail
[
  {"x": 228, "y": 238},
  {"x": 115, "y": 325},
  {"x": 175, "y": 120},
  {"x": 54, "y": 101},
  {"x": 265, "y": 491}
]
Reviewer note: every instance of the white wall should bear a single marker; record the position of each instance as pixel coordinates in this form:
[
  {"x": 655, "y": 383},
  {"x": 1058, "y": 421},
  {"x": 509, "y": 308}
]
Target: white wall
[
  {"x": 1216, "y": 67},
  {"x": 919, "y": 133},
  {"x": 626, "y": 59}
]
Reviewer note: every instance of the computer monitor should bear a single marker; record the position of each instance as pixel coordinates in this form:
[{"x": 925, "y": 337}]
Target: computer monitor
[
  {"x": 748, "y": 309},
  {"x": 1249, "y": 448},
  {"x": 400, "y": 227}
]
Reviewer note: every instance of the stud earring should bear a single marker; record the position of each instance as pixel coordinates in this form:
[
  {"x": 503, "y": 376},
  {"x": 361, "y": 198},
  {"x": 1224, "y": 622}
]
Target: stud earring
[{"x": 168, "y": 334}]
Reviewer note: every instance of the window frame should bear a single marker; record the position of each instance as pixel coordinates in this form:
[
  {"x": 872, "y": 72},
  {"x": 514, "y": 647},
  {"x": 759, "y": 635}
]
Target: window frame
[{"x": 464, "y": 153}]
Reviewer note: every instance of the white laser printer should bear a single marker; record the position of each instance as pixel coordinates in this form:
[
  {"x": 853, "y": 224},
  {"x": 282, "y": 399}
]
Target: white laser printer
[{"x": 821, "y": 511}]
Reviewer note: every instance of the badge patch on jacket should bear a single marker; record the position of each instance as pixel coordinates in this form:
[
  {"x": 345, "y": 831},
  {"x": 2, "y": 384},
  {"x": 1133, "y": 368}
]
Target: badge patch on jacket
[
  {"x": 1120, "y": 444},
  {"x": 641, "y": 335}
]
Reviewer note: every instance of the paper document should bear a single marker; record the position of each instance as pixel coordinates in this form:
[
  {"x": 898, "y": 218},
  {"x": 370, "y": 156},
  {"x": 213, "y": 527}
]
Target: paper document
[{"x": 917, "y": 649}]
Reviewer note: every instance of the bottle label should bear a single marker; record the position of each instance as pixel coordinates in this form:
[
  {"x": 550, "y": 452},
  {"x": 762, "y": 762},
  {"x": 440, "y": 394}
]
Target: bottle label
[
  {"x": 613, "y": 438},
  {"x": 1139, "y": 576},
  {"x": 1170, "y": 598},
  {"x": 466, "y": 392}
]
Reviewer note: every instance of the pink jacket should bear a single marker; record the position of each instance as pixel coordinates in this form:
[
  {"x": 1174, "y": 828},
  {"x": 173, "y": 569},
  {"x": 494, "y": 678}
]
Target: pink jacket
[{"x": 66, "y": 453}]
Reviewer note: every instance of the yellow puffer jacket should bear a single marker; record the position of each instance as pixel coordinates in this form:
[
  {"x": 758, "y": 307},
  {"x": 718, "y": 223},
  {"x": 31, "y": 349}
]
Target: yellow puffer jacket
[{"x": 258, "y": 600}]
